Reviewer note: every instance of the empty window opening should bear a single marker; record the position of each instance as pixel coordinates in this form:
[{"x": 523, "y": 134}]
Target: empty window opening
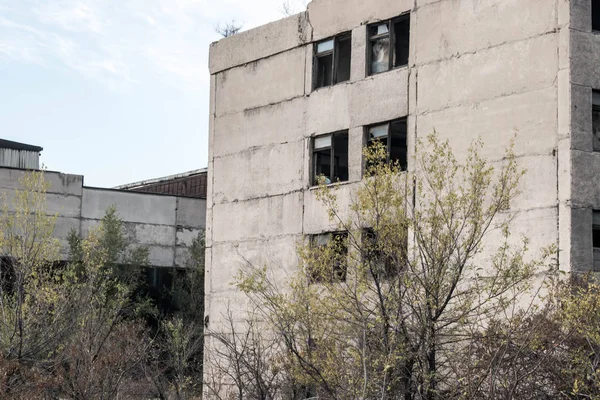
[
  {"x": 383, "y": 259},
  {"x": 596, "y": 239},
  {"x": 330, "y": 155},
  {"x": 160, "y": 285},
  {"x": 596, "y": 119},
  {"x": 332, "y": 61},
  {"x": 389, "y": 44},
  {"x": 596, "y": 15},
  {"x": 393, "y": 136},
  {"x": 335, "y": 265},
  {"x": 378, "y": 262}
]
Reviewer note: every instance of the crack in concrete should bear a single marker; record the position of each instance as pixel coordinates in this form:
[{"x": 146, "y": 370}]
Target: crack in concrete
[{"x": 483, "y": 101}]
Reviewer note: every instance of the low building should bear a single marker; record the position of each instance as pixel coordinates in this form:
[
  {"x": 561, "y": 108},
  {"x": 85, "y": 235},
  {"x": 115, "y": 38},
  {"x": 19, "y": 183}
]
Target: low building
[
  {"x": 19, "y": 155},
  {"x": 164, "y": 223}
]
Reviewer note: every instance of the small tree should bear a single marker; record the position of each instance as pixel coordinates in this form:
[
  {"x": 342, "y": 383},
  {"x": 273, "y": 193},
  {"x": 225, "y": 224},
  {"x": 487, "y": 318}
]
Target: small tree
[
  {"x": 66, "y": 329},
  {"x": 384, "y": 310},
  {"x": 553, "y": 352},
  {"x": 245, "y": 363},
  {"x": 34, "y": 314},
  {"x": 177, "y": 355},
  {"x": 228, "y": 28},
  {"x": 109, "y": 343}
]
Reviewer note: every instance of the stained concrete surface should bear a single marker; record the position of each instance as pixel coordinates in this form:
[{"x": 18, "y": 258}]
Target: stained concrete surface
[{"x": 166, "y": 225}]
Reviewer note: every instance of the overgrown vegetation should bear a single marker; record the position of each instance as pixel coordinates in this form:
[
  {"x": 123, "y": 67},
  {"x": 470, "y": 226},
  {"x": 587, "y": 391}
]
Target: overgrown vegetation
[
  {"x": 424, "y": 294},
  {"x": 87, "y": 328},
  {"x": 177, "y": 357}
]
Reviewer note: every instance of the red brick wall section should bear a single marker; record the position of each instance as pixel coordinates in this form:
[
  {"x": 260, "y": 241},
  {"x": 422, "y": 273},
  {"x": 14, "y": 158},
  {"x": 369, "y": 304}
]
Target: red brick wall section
[{"x": 189, "y": 186}]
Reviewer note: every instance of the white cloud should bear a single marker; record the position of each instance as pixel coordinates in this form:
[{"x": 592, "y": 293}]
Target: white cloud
[
  {"x": 121, "y": 42},
  {"x": 76, "y": 16}
]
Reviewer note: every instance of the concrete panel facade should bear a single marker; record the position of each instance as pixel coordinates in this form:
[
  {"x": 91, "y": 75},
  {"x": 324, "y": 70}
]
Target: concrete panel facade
[
  {"x": 585, "y": 162},
  {"x": 266, "y": 81},
  {"x": 498, "y": 69},
  {"x": 166, "y": 225}
]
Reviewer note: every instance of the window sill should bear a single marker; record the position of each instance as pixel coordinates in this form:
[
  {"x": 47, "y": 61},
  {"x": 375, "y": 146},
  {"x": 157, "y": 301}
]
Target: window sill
[
  {"x": 330, "y": 86},
  {"x": 403, "y": 172},
  {"x": 389, "y": 70},
  {"x": 345, "y": 183}
]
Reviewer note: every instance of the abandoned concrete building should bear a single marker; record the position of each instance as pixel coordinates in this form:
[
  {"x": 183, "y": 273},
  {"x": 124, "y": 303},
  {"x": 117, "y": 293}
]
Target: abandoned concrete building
[
  {"x": 164, "y": 223},
  {"x": 301, "y": 97}
]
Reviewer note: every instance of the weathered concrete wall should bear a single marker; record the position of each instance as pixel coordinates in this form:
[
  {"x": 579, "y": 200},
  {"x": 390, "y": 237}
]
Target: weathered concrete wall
[
  {"x": 486, "y": 69},
  {"x": 164, "y": 224},
  {"x": 476, "y": 68},
  {"x": 585, "y": 179}
]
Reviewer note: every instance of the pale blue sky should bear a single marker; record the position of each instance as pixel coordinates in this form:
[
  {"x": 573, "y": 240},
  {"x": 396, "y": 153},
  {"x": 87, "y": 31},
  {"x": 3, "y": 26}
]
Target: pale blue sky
[{"x": 115, "y": 90}]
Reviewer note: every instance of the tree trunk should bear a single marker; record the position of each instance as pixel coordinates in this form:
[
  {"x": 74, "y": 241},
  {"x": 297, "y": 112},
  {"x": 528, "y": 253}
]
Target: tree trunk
[{"x": 430, "y": 388}]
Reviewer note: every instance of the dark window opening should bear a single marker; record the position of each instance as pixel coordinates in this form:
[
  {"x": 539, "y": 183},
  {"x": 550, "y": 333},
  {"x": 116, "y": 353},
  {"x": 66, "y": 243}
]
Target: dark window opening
[
  {"x": 401, "y": 41},
  {"x": 159, "y": 286},
  {"x": 597, "y": 236},
  {"x": 343, "y": 54},
  {"x": 339, "y": 266},
  {"x": 7, "y": 273},
  {"x": 382, "y": 263},
  {"x": 389, "y": 44},
  {"x": 596, "y": 229},
  {"x": 9, "y": 266},
  {"x": 393, "y": 137},
  {"x": 398, "y": 142},
  {"x": 596, "y": 119},
  {"x": 596, "y": 15},
  {"x": 330, "y": 155},
  {"x": 332, "y": 61},
  {"x": 596, "y": 239}
]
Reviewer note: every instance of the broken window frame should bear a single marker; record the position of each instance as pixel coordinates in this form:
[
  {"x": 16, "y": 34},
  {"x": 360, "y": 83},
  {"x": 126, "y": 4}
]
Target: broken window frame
[
  {"x": 332, "y": 164},
  {"x": 374, "y": 256},
  {"x": 334, "y": 52},
  {"x": 595, "y": 16},
  {"x": 391, "y": 34},
  {"x": 595, "y": 109},
  {"x": 339, "y": 271},
  {"x": 368, "y": 139},
  {"x": 383, "y": 262}
]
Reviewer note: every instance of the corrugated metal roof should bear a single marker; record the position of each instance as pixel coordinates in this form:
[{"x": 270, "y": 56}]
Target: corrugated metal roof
[
  {"x": 9, "y": 144},
  {"x": 187, "y": 184},
  {"x": 147, "y": 182}
]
